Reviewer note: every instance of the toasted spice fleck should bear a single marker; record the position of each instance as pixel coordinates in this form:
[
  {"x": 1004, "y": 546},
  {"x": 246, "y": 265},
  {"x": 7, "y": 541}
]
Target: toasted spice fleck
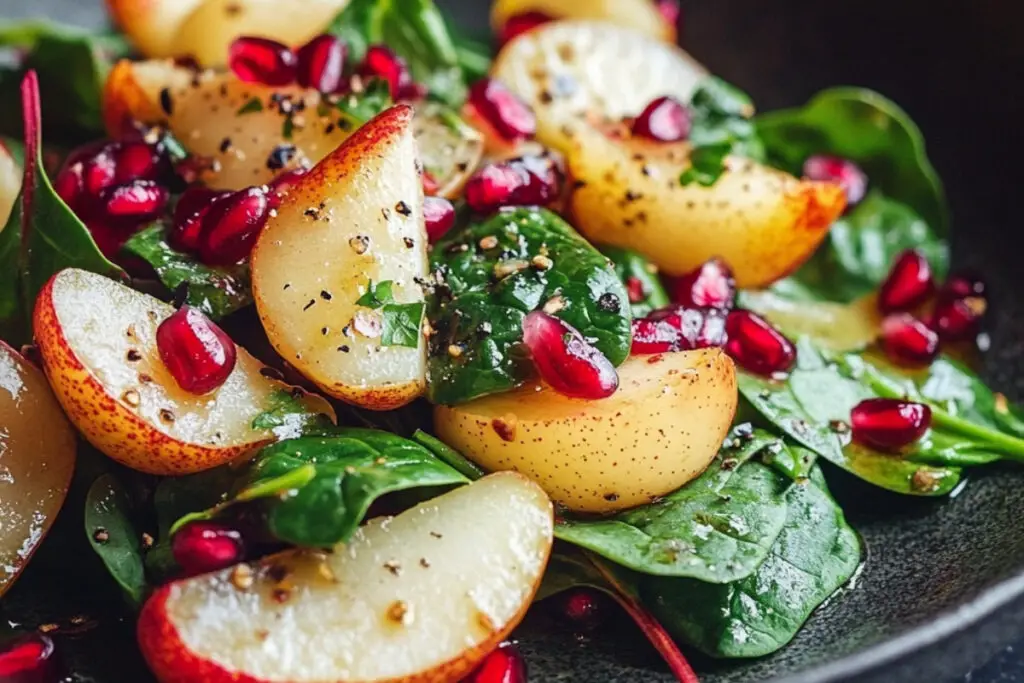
[
  {"x": 608, "y": 302},
  {"x": 541, "y": 262},
  {"x": 489, "y": 242},
  {"x": 242, "y": 576},
  {"x": 403, "y": 208},
  {"x": 225, "y": 145},
  {"x": 167, "y": 416},
  {"x": 393, "y": 566},
  {"x": 503, "y": 269},
  {"x": 554, "y": 305},
  {"x": 48, "y": 628},
  {"x": 924, "y": 481},
  {"x": 505, "y": 426},
  {"x": 344, "y": 348},
  {"x": 400, "y": 612},
  {"x": 280, "y": 156},
  {"x": 611, "y": 497},
  {"x": 309, "y": 305},
  {"x": 166, "y": 101},
  {"x": 359, "y": 243},
  {"x": 325, "y": 295},
  {"x": 839, "y": 427},
  {"x": 280, "y": 595},
  {"x": 436, "y": 534},
  {"x": 409, "y": 242},
  {"x": 133, "y": 356},
  {"x": 132, "y": 398},
  {"x": 454, "y": 350},
  {"x": 425, "y": 563},
  {"x": 147, "y": 541},
  {"x": 485, "y": 622},
  {"x": 101, "y": 535},
  {"x": 144, "y": 378}
]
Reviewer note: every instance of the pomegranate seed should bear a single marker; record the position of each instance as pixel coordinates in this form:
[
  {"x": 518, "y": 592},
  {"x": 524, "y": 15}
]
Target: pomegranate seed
[
  {"x": 100, "y": 171},
  {"x": 889, "y": 424},
  {"x": 261, "y": 60},
  {"x": 962, "y": 285},
  {"x": 439, "y": 215},
  {"x": 567, "y": 361},
  {"x": 29, "y": 659},
  {"x": 109, "y": 238},
  {"x": 663, "y": 120},
  {"x": 505, "y": 112},
  {"x": 635, "y": 289},
  {"x": 197, "y": 353},
  {"x": 756, "y": 345},
  {"x": 201, "y": 547},
  {"x": 282, "y": 185},
  {"x": 140, "y": 200},
  {"x": 908, "y": 284},
  {"x": 519, "y": 24},
  {"x": 70, "y": 185},
  {"x": 842, "y": 171},
  {"x": 958, "y": 319},
  {"x": 581, "y": 607},
  {"x": 908, "y": 341},
  {"x": 232, "y": 225},
  {"x": 711, "y": 285},
  {"x": 193, "y": 205},
  {"x": 670, "y": 11},
  {"x": 526, "y": 181},
  {"x": 652, "y": 336},
  {"x": 504, "y": 665},
  {"x": 382, "y": 62},
  {"x": 321, "y": 64},
  {"x": 136, "y": 160},
  {"x": 678, "y": 328}
]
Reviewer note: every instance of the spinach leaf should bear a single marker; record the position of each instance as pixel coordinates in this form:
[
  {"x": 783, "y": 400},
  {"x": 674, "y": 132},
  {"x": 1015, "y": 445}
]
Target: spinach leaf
[
  {"x": 72, "y": 64},
  {"x": 108, "y": 525},
  {"x": 14, "y": 315},
  {"x": 416, "y": 31},
  {"x": 861, "y": 247},
  {"x": 217, "y": 292},
  {"x": 489, "y": 275},
  {"x": 720, "y": 126},
  {"x": 374, "y": 99},
  {"x": 448, "y": 455},
  {"x": 288, "y": 417},
  {"x": 400, "y": 323},
  {"x": 816, "y": 553},
  {"x": 718, "y": 528},
  {"x": 640, "y": 278},
  {"x": 317, "y": 489},
  {"x": 861, "y": 125}
]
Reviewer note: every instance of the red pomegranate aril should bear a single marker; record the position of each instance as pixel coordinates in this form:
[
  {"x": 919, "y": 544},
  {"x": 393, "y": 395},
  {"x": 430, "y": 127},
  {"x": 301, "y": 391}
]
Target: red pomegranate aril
[
  {"x": 201, "y": 547},
  {"x": 909, "y": 283},
  {"x": 712, "y": 285},
  {"x": 567, "y": 361},
  {"x": 838, "y": 170},
  {"x": 439, "y": 216},
  {"x": 382, "y": 62},
  {"x": 139, "y": 200},
  {"x": 963, "y": 284},
  {"x": 321, "y": 64},
  {"x": 505, "y": 112},
  {"x": 908, "y": 341},
  {"x": 519, "y": 24},
  {"x": 188, "y": 216},
  {"x": 99, "y": 172},
  {"x": 635, "y": 290},
  {"x": 261, "y": 60},
  {"x": 670, "y": 11},
  {"x": 526, "y": 181},
  {"x": 889, "y": 424},
  {"x": 70, "y": 185},
  {"x": 757, "y": 346},
  {"x": 652, "y": 336},
  {"x": 584, "y": 609},
  {"x": 232, "y": 225},
  {"x": 28, "y": 659},
  {"x": 136, "y": 160},
  {"x": 663, "y": 120},
  {"x": 504, "y": 665},
  {"x": 958, "y": 319},
  {"x": 197, "y": 353}
]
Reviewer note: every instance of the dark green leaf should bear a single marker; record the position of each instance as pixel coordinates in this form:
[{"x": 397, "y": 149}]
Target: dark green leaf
[
  {"x": 360, "y": 108},
  {"x": 318, "y": 489},
  {"x": 108, "y": 525},
  {"x": 288, "y": 417},
  {"x": 632, "y": 266},
  {"x": 862, "y": 125},
  {"x": 401, "y": 324},
  {"x": 816, "y": 553},
  {"x": 252, "y": 106},
  {"x": 707, "y": 164},
  {"x": 718, "y": 528},
  {"x": 490, "y": 286},
  {"x": 14, "y": 316},
  {"x": 721, "y": 117},
  {"x": 217, "y": 292},
  {"x": 448, "y": 455}
]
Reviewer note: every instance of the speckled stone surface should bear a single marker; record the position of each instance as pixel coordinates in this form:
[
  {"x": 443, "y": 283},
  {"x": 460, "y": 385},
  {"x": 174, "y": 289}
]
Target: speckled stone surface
[{"x": 937, "y": 596}]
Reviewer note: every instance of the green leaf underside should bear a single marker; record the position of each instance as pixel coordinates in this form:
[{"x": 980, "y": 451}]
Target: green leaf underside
[
  {"x": 815, "y": 554},
  {"x": 217, "y": 292},
  {"x": 109, "y": 528},
  {"x": 862, "y": 125},
  {"x": 491, "y": 283},
  {"x": 717, "y": 529},
  {"x": 317, "y": 489},
  {"x": 631, "y": 265}
]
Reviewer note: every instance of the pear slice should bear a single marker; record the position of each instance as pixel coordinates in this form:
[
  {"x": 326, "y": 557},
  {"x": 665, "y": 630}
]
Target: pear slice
[
  {"x": 355, "y": 221},
  {"x": 418, "y": 598},
  {"x": 97, "y": 339},
  {"x": 639, "y": 15}
]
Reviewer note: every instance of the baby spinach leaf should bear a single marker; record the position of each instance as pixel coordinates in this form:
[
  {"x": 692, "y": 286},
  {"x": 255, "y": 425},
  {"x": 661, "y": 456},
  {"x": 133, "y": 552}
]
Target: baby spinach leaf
[
  {"x": 816, "y": 553},
  {"x": 639, "y": 276},
  {"x": 864, "y": 126},
  {"x": 416, "y": 31},
  {"x": 489, "y": 275},
  {"x": 217, "y": 292},
  {"x": 400, "y": 323},
  {"x": 448, "y": 455},
  {"x": 108, "y": 525},
  {"x": 288, "y": 417},
  {"x": 718, "y": 528},
  {"x": 861, "y": 247},
  {"x": 722, "y": 114},
  {"x": 317, "y": 489}
]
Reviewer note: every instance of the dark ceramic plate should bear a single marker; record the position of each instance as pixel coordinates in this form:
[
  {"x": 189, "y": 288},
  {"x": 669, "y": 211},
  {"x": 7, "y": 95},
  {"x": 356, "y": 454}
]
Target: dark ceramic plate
[{"x": 942, "y": 587}]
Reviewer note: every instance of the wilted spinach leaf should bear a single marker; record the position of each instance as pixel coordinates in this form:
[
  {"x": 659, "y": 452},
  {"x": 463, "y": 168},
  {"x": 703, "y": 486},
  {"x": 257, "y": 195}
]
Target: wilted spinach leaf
[
  {"x": 816, "y": 553},
  {"x": 640, "y": 277},
  {"x": 108, "y": 525},
  {"x": 493, "y": 274}
]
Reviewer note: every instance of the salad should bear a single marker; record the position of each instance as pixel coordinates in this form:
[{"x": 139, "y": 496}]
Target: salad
[{"x": 347, "y": 339}]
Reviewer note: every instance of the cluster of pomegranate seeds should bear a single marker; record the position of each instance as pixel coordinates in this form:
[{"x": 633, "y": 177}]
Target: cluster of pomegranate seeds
[
  {"x": 222, "y": 227},
  {"x": 846, "y": 173},
  {"x": 197, "y": 353},
  {"x": 711, "y": 285},
  {"x": 566, "y": 360},
  {"x": 583, "y": 608},
  {"x": 504, "y": 665},
  {"x": 525, "y": 181},
  {"x": 663, "y": 120},
  {"x": 505, "y": 112},
  {"x": 519, "y": 24},
  {"x": 261, "y": 60},
  {"x": 908, "y": 340},
  {"x": 757, "y": 346},
  {"x": 201, "y": 547},
  {"x": 439, "y": 216},
  {"x": 889, "y": 424},
  {"x": 909, "y": 283},
  {"x": 192, "y": 206},
  {"x": 960, "y": 306},
  {"x": 321, "y": 64},
  {"x": 679, "y": 328},
  {"x": 29, "y": 659},
  {"x": 382, "y": 62}
]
